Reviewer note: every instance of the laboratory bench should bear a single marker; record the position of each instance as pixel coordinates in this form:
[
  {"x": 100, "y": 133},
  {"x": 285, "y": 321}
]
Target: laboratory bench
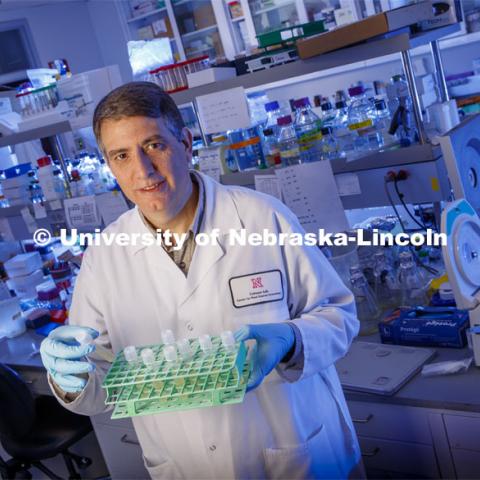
[{"x": 430, "y": 428}]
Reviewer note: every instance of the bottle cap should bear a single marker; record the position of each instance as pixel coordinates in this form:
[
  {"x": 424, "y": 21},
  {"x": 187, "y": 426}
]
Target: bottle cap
[
  {"x": 44, "y": 161},
  {"x": 272, "y": 106},
  {"x": 301, "y": 102},
  {"x": 327, "y": 130},
  {"x": 286, "y": 120},
  {"x": 355, "y": 91},
  {"x": 380, "y": 104},
  {"x": 268, "y": 132},
  {"x": 326, "y": 106},
  {"x": 340, "y": 104},
  {"x": 130, "y": 353}
]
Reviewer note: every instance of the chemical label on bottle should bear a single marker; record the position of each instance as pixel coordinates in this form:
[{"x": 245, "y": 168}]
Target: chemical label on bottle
[
  {"x": 358, "y": 126},
  {"x": 306, "y": 141},
  {"x": 290, "y": 153}
]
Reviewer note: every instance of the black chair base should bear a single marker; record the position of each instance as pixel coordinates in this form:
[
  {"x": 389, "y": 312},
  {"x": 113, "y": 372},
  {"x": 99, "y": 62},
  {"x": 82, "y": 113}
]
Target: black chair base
[{"x": 17, "y": 469}]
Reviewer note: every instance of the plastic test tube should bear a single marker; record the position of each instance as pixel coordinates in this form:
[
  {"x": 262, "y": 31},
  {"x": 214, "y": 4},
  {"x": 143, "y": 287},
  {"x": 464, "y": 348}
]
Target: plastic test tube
[
  {"x": 170, "y": 353},
  {"x": 167, "y": 337},
  {"x": 130, "y": 354},
  {"x": 84, "y": 337},
  {"x": 148, "y": 356},
  {"x": 185, "y": 349},
  {"x": 205, "y": 344},
  {"x": 228, "y": 341}
]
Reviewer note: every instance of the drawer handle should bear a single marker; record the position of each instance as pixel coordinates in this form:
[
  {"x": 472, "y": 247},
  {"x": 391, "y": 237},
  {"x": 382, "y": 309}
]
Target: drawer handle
[
  {"x": 125, "y": 439},
  {"x": 372, "y": 453},
  {"x": 363, "y": 420}
]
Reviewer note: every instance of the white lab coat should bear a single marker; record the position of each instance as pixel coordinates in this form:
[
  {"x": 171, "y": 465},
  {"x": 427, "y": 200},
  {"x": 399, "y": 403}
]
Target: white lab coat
[{"x": 296, "y": 424}]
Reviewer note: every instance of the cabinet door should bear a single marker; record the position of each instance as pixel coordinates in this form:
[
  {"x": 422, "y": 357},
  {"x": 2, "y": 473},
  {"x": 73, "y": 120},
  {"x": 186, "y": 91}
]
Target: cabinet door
[
  {"x": 198, "y": 29},
  {"x": 391, "y": 422},
  {"x": 121, "y": 451},
  {"x": 399, "y": 458},
  {"x": 463, "y": 432},
  {"x": 268, "y": 15},
  {"x": 467, "y": 463}
]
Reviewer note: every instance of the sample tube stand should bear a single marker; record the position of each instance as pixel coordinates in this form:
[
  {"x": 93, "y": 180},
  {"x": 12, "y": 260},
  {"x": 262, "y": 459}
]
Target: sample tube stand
[{"x": 217, "y": 378}]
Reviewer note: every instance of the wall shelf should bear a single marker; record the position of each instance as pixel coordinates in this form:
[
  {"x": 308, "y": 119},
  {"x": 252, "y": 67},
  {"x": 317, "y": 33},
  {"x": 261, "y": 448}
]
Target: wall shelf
[
  {"x": 146, "y": 15},
  {"x": 395, "y": 43},
  {"x": 40, "y": 132}
]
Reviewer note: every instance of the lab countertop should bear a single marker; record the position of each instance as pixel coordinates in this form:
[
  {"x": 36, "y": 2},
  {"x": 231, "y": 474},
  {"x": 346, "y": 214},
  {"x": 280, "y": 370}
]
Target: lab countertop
[{"x": 453, "y": 392}]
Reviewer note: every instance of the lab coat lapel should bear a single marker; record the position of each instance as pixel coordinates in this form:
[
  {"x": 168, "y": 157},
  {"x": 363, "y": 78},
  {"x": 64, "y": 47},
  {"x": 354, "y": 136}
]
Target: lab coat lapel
[{"x": 220, "y": 213}]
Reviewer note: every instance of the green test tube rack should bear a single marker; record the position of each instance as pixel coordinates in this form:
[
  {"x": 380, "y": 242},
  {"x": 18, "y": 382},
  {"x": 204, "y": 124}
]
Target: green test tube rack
[{"x": 205, "y": 380}]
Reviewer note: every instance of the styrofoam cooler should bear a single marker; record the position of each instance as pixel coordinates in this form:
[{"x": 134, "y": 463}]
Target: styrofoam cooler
[
  {"x": 23, "y": 264},
  {"x": 12, "y": 322},
  {"x": 25, "y": 285}
]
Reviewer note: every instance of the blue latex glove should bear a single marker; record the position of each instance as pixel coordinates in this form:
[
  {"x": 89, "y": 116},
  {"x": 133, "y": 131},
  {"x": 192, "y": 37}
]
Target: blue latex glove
[
  {"x": 274, "y": 341},
  {"x": 61, "y": 355}
]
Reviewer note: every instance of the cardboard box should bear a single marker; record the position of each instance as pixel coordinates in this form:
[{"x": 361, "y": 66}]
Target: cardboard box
[
  {"x": 363, "y": 30},
  {"x": 145, "y": 33},
  {"x": 204, "y": 16},
  {"x": 162, "y": 28},
  {"x": 408, "y": 326}
]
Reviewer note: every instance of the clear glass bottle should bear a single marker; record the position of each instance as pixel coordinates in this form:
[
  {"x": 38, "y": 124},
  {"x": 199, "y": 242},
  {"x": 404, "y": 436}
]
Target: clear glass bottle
[
  {"x": 273, "y": 114},
  {"x": 307, "y": 128},
  {"x": 412, "y": 281},
  {"x": 361, "y": 119},
  {"x": 287, "y": 142},
  {"x": 329, "y": 144},
  {"x": 383, "y": 121},
  {"x": 345, "y": 137},
  {"x": 59, "y": 184},
  {"x": 242, "y": 154},
  {"x": 386, "y": 287},
  {"x": 328, "y": 114},
  {"x": 270, "y": 148},
  {"x": 400, "y": 106},
  {"x": 367, "y": 306}
]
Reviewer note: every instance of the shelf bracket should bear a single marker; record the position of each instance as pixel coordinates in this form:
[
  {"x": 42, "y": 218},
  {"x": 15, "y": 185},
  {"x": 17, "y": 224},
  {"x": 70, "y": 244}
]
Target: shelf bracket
[
  {"x": 440, "y": 73},
  {"x": 417, "y": 107}
]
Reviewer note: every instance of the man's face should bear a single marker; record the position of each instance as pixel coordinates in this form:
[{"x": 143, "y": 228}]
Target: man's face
[{"x": 149, "y": 163}]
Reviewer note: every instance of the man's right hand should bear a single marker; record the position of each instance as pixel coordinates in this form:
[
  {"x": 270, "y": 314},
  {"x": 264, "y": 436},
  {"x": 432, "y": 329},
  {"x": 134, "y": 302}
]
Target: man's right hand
[{"x": 61, "y": 355}]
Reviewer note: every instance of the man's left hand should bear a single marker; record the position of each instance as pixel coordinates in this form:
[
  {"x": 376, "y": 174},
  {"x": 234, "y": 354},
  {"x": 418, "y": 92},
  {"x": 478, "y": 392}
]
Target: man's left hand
[{"x": 274, "y": 341}]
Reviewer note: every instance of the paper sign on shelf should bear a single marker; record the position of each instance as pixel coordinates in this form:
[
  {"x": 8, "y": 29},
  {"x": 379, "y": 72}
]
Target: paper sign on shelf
[
  {"x": 210, "y": 162},
  {"x": 310, "y": 191},
  {"x": 29, "y": 220},
  {"x": 111, "y": 205},
  {"x": 222, "y": 111},
  {"x": 348, "y": 184},
  {"x": 6, "y": 231},
  {"x": 81, "y": 213},
  {"x": 268, "y": 184},
  {"x": 39, "y": 211}
]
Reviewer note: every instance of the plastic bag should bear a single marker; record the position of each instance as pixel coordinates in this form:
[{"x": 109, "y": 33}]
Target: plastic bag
[
  {"x": 146, "y": 55},
  {"x": 446, "y": 368}
]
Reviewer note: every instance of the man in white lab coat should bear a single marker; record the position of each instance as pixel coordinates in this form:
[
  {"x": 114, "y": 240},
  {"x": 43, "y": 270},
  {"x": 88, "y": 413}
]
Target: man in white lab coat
[{"x": 294, "y": 422}]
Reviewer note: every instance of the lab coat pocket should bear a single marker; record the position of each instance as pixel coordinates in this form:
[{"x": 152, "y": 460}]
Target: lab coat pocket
[
  {"x": 312, "y": 459},
  {"x": 165, "y": 469}
]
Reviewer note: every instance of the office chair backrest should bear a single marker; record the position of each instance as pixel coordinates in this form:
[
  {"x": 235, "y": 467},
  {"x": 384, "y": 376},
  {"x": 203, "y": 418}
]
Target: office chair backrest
[{"x": 17, "y": 407}]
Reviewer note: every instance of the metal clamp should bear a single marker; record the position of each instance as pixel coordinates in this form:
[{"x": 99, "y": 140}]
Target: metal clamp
[
  {"x": 363, "y": 420},
  {"x": 125, "y": 439}
]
